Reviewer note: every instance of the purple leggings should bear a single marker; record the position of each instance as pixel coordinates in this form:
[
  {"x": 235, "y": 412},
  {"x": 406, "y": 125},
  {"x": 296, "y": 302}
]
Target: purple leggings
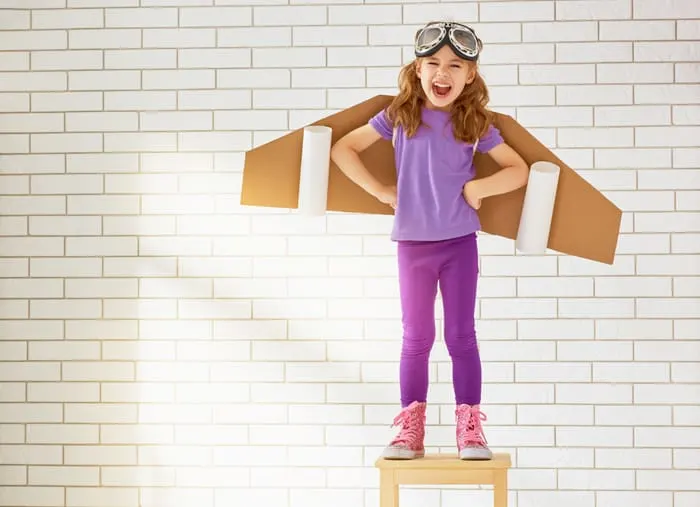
[{"x": 453, "y": 266}]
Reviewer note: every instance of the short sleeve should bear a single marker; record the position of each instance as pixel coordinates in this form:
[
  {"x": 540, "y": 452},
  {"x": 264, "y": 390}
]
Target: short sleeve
[
  {"x": 490, "y": 140},
  {"x": 382, "y": 125}
]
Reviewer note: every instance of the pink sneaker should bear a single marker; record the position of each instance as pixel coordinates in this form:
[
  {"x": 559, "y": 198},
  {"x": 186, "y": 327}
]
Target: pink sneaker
[
  {"x": 408, "y": 444},
  {"x": 471, "y": 441}
]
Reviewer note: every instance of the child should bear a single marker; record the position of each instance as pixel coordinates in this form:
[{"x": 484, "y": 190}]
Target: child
[{"x": 439, "y": 118}]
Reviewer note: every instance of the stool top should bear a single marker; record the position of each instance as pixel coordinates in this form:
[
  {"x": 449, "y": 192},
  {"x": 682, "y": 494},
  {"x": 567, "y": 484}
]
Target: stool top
[{"x": 446, "y": 461}]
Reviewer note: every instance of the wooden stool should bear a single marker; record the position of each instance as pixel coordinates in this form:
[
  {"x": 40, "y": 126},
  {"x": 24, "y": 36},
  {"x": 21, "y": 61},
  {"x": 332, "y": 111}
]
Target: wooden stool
[{"x": 443, "y": 469}]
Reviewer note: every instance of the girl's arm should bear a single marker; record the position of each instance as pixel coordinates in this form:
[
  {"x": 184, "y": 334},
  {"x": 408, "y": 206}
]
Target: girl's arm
[
  {"x": 345, "y": 153},
  {"x": 513, "y": 175}
]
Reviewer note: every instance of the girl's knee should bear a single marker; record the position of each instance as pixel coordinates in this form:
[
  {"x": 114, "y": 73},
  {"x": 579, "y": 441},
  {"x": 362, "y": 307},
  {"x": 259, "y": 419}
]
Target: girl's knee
[
  {"x": 418, "y": 344},
  {"x": 461, "y": 344}
]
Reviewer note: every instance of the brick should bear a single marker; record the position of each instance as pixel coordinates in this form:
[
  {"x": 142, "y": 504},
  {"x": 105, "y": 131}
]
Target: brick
[
  {"x": 419, "y": 13},
  {"x": 683, "y": 179},
  {"x": 47, "y": 19},
  {"x": 62, "y": 433},
  {"x": 13, "y": 351},
  {"x": 523, "y": 308},
  {"x": 367, "y": 14},
  {"x": 287, "y": 99},
  {"x": 33, "y": 122},
  {"x": 140, "y": 59},
  {"x": 634, "y": 72},
  {"x": 531, "y": 96},
  {"x": 677, "y": 51},
  {"x": 100, "y": 3},
  {"x": 671, "y": 479},
  {"x": 685, "y": 115},
  {"x": 664, "y": 94},
  {"x": 67, "y": 60},
  {"x": 532, "y": 53},
  {"x": 16, "y": 20},
  {"x": 668, "y": 307},
  {"x": 215, "y": 17},
  {"x": 264, "y": 35},
  {"x": 141, "y": 17},
  {"x": 15, "y": 184},
  {"x": 14, "y": 102},
  {"x": 32, "y": 288},
  {"x": 14, "y": 40},
  {"x": 669, "y": 9},
  {"x": 114, "y": 38},
  {"x": 594, "y": 52},
  {"x": 543, "y": 31},
  {"x": 163, "y": 121},
  {"x": 636, "y": 458},
  {"x": 598, "y": 479},
  {"x": 13, "y": 475},
  {"x": 560, "y": 371},
  {"x": 322, "y": 78},
  {"x": 178, "y": 79},
  {"x": 565, "y": 458},
  {"x": 637, "y": 30},
  {"x": 64, "y": 476},
  {"x": 327, "y": 36},
  {"x": 596, "y": 137},
  {"x": 594, "y": 10},
  {"x": 573, "y": 116},
  {"x": 139, "y": 100},
  {"x": 687, "y": 28},
  {"x": 101, "y": 497},
  {"x": 685, "y": 243},
  {"x": 289, "y": 58},
  {"x": 15, "y": 61},
  {"x": 557, "y": 74},
  {"x": 32, "y": 81},
  {"x": 214, "y": 141},
  {"x": 48, "y": 495},
  {"x": 127, "y": 142},
  {"x": 687, "y": 221},
  {"x": 33, "y": 4}
]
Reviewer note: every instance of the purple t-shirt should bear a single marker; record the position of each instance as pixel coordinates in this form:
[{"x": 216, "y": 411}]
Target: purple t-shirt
[{"x": 432, "y": 167}]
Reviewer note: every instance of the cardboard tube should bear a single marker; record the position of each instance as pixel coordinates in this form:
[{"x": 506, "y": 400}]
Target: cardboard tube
[
  {"x": 538, "y": 208},
  {"x": 315, "y": 166}
]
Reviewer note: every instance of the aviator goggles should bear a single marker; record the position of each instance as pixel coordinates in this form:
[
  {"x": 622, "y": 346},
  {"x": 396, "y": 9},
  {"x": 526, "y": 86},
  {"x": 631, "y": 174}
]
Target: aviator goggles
[{"x": 461, "y": 38}]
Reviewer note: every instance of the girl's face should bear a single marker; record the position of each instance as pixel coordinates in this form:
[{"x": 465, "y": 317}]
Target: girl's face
[{"x": 443, "y": 76}]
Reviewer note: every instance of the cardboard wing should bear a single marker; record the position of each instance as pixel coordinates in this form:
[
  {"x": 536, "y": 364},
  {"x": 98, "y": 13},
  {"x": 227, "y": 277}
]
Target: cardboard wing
[{"x": 584, "y": 222}]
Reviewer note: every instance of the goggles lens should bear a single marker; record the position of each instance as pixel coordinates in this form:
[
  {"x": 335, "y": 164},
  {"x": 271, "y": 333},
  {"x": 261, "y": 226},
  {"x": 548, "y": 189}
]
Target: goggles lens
[
  {"x": 430, "y": 37},
  {"x": 464, "y": 39}
]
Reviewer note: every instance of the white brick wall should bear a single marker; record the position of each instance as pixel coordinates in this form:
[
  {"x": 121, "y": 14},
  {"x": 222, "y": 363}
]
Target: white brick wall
[{"x": 161, "y": 346}]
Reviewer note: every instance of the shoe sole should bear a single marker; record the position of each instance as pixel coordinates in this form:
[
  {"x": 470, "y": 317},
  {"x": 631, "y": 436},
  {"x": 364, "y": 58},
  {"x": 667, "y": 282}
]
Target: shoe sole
[
  {"x": 476, "y": 455},
  {"x": 402, "y": 454}
]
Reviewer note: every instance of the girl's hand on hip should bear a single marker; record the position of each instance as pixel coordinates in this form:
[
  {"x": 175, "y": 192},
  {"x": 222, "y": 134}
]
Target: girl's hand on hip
[
  {"x": 471, "y": 194},
  {"x": 387, "y": 195}
]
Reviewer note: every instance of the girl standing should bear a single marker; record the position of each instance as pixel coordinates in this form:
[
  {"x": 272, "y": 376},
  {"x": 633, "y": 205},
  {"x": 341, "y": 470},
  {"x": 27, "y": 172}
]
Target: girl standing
[{"x": 436, "y": 122}]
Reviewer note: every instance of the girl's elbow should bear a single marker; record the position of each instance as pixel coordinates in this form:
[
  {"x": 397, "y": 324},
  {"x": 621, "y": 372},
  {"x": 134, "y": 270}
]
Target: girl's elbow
[
  {"x": 340, "y": 151},
  {"x": 336, "y": 151},
  {"x": 524, "y": 174}
]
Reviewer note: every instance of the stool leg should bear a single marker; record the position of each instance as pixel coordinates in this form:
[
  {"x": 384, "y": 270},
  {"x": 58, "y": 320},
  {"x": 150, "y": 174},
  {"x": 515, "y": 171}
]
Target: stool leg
[
  {"x": 388, "y": 489},
  {"x": 500, "y": 488}
]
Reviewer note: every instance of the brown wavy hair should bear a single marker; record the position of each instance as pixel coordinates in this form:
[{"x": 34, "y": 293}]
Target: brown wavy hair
[{"x": 470, "y": 116}]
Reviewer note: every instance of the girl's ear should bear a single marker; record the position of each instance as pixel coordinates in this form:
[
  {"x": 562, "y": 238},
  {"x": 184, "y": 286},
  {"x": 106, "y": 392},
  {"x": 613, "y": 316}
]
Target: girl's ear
[{"x": 471, "y": 74}]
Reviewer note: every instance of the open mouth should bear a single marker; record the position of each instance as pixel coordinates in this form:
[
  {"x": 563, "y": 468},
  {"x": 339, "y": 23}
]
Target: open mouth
[{"x": 441, "y": 90}]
